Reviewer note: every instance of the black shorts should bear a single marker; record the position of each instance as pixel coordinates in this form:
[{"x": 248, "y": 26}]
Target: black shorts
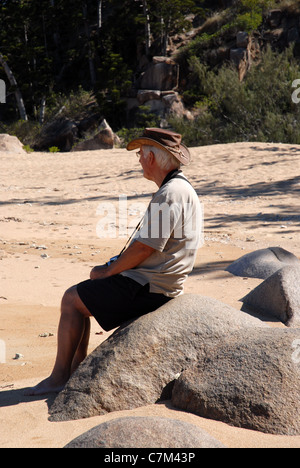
[{"x": 118, "y": 299}]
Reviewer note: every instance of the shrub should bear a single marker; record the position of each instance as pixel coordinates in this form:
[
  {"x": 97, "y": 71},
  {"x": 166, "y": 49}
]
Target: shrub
[
  {"x": 25, "y": 131},
  {"x": 28, "y": 149},
  {"x": 227, "y": 110},
  {"x": 54, "y": 149}
]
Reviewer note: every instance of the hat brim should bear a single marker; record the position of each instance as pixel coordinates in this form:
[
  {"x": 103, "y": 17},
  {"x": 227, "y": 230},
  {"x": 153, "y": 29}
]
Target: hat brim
[{"x": 183, "y": 155}]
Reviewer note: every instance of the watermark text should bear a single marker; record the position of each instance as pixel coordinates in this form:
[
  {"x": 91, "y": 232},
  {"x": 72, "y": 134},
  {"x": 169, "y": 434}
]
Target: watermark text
[
  {"x": 2, "y": 92},
  {"x": 2, "y": 352},
  {"x": 159, "y": 221},
  {"x": 296, "y": 93}
]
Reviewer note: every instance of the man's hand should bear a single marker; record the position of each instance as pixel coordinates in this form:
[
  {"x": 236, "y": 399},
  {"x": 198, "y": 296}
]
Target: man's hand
[
  {"x": 99, "y": 272},
  {"x": 131, "y": 258}
]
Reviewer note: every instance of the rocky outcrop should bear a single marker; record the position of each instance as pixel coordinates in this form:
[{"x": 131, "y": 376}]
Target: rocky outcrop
[
  {"x": 61, "y": 133},
  {"x": 250, "y": 379},
  {"x": 11, "y": 144},
  {"x": 70, "y": 135},
  {"x": 246, "y": 52},
  {"x": 145, "y": 432},
  {"x": 156, "y": 90},
  {"x": 262, "y": 263},
  {"x": 138, "y": 364},
  {"x": 282, "y": 29},
  {"x": 161, "y": 74},
  {"x": 278, "y": 296},
  {"x": 104, "y": 139}
]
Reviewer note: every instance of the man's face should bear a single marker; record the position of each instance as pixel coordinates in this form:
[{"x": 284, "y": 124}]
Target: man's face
[{"x": 144, "y": 161}]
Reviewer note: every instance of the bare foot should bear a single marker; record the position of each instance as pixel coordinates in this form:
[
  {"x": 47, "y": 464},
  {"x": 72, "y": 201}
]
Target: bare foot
[{"x": 46, "y": 386}]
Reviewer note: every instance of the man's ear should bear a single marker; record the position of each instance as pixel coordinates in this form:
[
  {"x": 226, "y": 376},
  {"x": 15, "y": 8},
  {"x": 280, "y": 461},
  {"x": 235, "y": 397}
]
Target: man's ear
[{"x": 151, "y": 157}]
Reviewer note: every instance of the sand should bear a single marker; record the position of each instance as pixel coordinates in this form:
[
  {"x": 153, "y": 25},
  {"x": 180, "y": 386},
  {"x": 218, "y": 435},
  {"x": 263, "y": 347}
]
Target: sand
[{"x": 50, "y": 220}]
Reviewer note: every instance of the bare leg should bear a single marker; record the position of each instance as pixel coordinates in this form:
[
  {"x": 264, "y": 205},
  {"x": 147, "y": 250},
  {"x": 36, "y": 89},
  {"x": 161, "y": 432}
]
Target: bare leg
[
  {"x": 72, "y": 343},
  {"x": 82, "y": 349}
]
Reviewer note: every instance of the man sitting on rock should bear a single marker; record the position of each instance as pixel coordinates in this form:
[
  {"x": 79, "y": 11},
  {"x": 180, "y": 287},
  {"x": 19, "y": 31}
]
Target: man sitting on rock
[{"x": 149, "y": 273}]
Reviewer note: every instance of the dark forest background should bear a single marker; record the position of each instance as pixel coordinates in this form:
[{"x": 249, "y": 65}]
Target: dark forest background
[{"x": 84, "y": 57}]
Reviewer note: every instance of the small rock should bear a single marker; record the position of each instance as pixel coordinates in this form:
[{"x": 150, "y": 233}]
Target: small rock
[{"x": 18, "y": 356}]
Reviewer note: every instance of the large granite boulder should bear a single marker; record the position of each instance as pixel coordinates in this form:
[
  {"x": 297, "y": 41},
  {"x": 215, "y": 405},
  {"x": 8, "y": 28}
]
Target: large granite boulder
[
  {"x": 278, "y": 296},
  {"x": 138, "y": 364},
  {"x": 248, "y": 380},
  {"x": 145, "y": 432},
  {"x": 262, "y": 263}
]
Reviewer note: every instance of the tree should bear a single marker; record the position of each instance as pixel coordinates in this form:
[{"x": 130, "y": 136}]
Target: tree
[
  {"x": 13, "y": 82},
  {"x": 146, "y": 14},
  {"x": 89, "y": 42},
  {"x": 170, "y": 17}
]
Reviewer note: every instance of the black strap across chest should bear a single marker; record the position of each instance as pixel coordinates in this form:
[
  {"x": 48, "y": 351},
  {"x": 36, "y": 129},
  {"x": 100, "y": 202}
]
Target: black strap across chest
[{"x": 175, "y": 174}]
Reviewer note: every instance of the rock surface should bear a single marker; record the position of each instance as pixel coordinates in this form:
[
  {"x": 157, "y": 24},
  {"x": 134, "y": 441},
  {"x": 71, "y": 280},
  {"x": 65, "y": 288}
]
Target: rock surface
[
  {"x": 104, "y": 139},
  {"x": 138, "y": 364},
  {"x": 249, "y": 380},
  {"x": 145, "y": 432},
  {"x": 61, "y": 133},
  {"x": 278, "y": 296},
  {"x": 262, "y": 263},
  {"x": 11, "y": 144},
  {"x": 161, "y": 74}
]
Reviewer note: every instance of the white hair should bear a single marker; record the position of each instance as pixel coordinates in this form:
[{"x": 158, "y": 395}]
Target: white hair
[{"x": 164, "y": 160}]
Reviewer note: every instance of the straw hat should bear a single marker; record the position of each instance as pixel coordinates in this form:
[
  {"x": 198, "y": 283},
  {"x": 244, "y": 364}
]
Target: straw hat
[{"x": 163, "y": 139}]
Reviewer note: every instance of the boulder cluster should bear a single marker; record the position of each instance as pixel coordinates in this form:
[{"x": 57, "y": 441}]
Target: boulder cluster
[{"x": 206, "y": 357}]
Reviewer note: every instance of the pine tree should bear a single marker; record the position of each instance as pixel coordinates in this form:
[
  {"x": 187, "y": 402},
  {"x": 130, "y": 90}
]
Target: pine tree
[{"x": 169, "y": 17}]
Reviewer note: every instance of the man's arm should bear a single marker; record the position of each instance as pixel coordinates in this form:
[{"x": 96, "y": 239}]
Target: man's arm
[{"x": 131, "y": 258}]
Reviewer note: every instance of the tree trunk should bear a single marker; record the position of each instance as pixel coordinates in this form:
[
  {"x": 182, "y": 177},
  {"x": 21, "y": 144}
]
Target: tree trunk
[
  {"x": 90, "y": 51},
  {"x": 163, "y": 37},
  {"x": 147, "y": 26},
  {"x": 13, "y": 82},
  {"x": 99, "y": 14},
  {"x": 42, "y": 110}
]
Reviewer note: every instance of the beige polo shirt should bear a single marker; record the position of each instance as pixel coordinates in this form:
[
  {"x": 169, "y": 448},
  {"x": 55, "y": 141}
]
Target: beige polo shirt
[{"x": 173, "y": 226}]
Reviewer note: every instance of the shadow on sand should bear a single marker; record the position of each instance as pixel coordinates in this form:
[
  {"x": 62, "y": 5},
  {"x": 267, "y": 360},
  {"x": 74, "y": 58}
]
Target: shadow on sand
[{"x": 14, "y": 397}]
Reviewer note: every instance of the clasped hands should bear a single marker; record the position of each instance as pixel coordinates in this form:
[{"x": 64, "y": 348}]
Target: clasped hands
[{"x": 99, "y": 272}]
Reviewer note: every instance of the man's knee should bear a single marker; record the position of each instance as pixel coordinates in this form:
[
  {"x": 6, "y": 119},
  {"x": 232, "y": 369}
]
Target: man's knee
[
  {"x": 70, "y": 295},
  {"x": 71, "y": 300}
]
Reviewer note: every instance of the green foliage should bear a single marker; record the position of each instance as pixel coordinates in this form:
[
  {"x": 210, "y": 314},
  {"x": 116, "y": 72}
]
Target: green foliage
[
  {"x": 249, "y": 21},
  {"x": 170, "y": 17},
  {"x": 71, "y": 106},
  {"x": 25, "y": 131},
  {"x": 60, "y": 53},
  {"x": 128, "y": 134},
  {"x": 54, "y": 149},
  {"x": 28, "y": 149},
  {"x": 250, "y": 15},
  {"x": 258, "y": 109},
  {"x": 54, "y": 47},
  {"x": 114, "y": 83}
]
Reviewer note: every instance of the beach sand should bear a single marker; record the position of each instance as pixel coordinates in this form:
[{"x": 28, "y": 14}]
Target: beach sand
[{"x": 51, "y": 212}]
